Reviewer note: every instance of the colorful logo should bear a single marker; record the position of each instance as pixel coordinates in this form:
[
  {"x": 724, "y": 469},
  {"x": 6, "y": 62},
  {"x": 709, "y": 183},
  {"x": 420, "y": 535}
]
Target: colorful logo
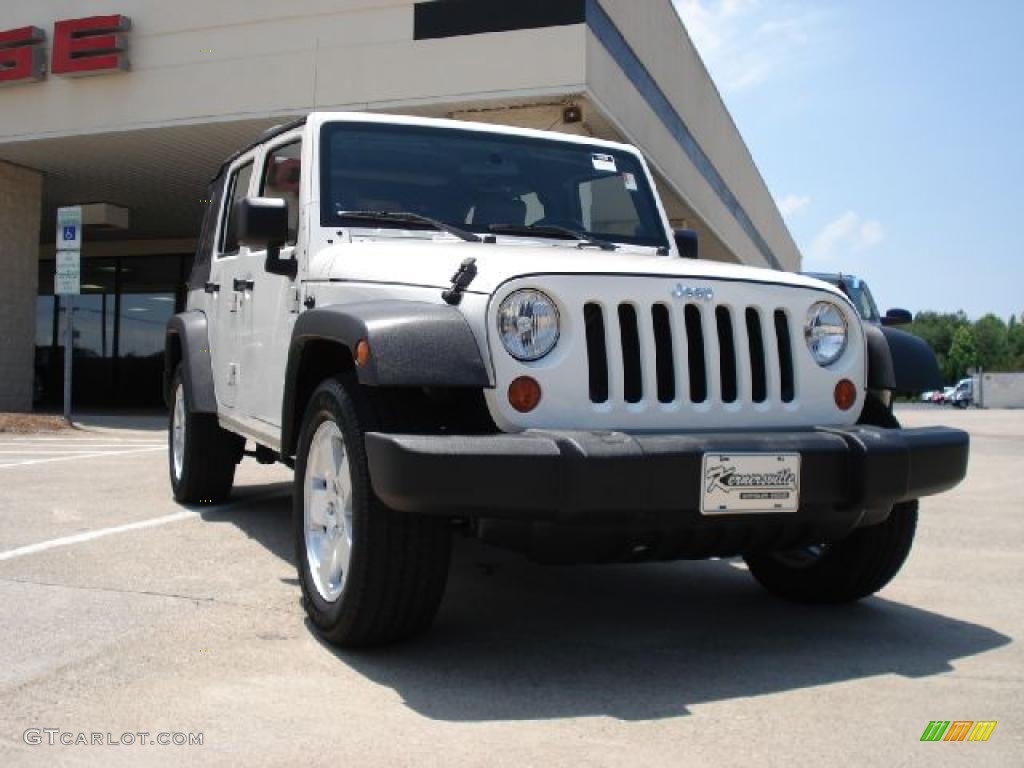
[{"x": 958, "y": 730}]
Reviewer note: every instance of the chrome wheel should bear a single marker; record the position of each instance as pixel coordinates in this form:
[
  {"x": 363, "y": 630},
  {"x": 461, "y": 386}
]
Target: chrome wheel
[
  {"x": 327, "y": 511},
  {"x": 178, "y": 432}
]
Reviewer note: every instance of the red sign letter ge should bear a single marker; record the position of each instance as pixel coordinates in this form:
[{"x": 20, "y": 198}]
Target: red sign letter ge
[{"x": 91, "y": 45}]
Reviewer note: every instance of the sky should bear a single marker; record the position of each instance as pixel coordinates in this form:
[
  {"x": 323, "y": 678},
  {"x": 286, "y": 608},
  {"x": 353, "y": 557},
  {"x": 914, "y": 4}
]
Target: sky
[{"x": 891, "y": 134}]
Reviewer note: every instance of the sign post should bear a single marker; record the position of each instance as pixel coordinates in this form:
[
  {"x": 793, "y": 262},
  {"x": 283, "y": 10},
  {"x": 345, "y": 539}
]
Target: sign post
[{"x": 67, "y": 282}]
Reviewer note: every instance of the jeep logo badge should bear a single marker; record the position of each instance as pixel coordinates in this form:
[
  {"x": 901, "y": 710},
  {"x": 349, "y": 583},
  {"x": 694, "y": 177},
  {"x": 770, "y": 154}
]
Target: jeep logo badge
[{"x": 687, "y": 292}]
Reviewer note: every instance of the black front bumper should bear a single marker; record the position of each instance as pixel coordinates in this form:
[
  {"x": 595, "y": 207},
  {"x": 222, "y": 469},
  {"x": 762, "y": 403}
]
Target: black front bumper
[{"x": 848, "y": 477}]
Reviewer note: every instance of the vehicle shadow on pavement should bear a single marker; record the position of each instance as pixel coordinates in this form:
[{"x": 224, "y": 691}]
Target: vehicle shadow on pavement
[
  {"x": 262, "y": 512},
  {"x": 517, "y": 641}
]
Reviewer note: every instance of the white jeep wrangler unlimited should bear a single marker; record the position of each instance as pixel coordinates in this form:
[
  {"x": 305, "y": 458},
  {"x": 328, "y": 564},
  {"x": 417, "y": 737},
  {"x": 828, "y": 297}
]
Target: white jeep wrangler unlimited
[{"x": 445, "y": 325}]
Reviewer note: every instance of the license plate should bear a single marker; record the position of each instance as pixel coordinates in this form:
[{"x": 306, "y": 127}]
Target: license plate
[{"x": 749, "y": 483}]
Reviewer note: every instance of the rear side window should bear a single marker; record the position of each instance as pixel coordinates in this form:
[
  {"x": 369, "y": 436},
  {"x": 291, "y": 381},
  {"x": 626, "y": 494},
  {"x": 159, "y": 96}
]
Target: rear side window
[
  {"x": 239, "y": 188},
  {"x": 281, "y": 176},
  {"x": 205, "y": 248}
]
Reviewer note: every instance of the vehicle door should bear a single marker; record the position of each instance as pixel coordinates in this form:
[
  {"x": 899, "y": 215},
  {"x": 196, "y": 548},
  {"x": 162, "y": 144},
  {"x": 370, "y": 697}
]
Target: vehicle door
[
  {"x": 226, "y": 289},
  {"x": 273, "y": 300}
]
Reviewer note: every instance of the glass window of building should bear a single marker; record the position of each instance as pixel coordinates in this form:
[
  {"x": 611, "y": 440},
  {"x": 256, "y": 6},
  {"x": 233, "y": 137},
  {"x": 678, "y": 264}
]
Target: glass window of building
[{"x": 119, "y": 322}]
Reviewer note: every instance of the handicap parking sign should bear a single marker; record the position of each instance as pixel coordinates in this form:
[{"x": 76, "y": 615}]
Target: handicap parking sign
[{"x": 69, "y": 228}]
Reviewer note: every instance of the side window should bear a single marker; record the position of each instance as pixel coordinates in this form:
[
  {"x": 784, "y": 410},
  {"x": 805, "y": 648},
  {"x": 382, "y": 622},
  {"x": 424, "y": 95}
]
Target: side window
[
  {"x": 281, "y": 175},
  {"x": 239, "y": 188}
]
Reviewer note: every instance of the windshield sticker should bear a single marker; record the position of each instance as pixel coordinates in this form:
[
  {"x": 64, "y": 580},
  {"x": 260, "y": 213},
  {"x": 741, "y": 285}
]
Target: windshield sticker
[
  {"x": 630, "y": 181},
  {"x": 604, "y": 163}
]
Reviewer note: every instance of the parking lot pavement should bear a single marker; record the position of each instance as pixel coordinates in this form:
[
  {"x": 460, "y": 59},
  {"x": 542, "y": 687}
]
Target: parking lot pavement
[
  {"x": 24, "y": 450},
  {"x": 122, "y": 612},
  {"x": 35, "y": 471}
]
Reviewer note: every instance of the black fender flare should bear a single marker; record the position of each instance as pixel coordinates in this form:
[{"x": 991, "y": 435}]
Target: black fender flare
[
  {"x": 187, "y": 341},
  {"x": 900, "y": 362},
  {"x": 412, "y": 344}
]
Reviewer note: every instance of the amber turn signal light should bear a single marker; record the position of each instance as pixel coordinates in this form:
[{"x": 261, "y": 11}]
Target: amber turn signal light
[
  {"x": 524, "y": 394},
  {"x": 362, "y": 353},
  {"x": 845, "y": 394}
]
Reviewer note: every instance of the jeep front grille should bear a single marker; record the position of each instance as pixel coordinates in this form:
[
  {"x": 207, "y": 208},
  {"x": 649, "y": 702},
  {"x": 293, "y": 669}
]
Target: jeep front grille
[{"x": 700, "y": 353}]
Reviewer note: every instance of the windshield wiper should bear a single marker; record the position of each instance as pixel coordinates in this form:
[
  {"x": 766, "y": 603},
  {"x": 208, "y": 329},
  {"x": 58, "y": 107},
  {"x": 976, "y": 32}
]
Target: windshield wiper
[
  {"x": 403, "y": 217},
  {"x": 553, "y": 230}
]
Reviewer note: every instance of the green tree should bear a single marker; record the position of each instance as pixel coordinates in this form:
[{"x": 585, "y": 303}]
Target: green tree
[
  {"x": 938, "y": 328},
  {"x": 1015, "y": 341},
  {"x": 991, "y": 342},
  {"x": 963, "y": 353}
]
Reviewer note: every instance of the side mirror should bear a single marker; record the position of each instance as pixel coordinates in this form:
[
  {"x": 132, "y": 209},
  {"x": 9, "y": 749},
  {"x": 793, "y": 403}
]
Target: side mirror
[
  {"x": 687, "y": 243},
  {"x": 263, "y": 223},
  {"x": 897, "y": 317}
]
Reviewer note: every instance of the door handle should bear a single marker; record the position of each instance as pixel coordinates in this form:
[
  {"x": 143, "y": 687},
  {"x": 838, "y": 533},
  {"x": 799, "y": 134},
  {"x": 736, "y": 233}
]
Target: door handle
[
  {"x": 243, "y": 285},
  {"x": 211, "y": 287}
]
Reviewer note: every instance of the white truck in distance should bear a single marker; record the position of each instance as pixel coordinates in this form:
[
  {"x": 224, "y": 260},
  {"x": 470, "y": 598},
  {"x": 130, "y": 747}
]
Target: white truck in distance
[{"x": 445, "y": 326}]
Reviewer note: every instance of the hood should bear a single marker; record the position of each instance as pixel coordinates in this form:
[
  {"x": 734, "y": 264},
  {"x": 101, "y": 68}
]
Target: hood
[{"x": 426, "y": 262}]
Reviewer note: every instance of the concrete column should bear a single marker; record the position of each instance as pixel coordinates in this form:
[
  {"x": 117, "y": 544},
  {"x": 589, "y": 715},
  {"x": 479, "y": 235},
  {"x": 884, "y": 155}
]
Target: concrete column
[{"x": 21, "y": 198}]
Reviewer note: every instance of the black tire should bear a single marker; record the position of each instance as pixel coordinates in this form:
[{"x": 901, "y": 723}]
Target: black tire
[
  {"x": 852, "y": 568},
  {"x": 398, "y": 565},
  {"x": 209, "y": 454},
  {"x": 848, "y": 570}
]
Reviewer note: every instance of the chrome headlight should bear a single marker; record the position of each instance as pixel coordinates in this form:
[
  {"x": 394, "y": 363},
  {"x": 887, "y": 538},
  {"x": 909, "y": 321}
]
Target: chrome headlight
[
  {"x": 528, "y": 324},
  {"x": 826, "y": 332}
]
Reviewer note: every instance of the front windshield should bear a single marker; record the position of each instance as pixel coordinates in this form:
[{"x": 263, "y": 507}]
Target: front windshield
[{"x": 486, "y": 182}]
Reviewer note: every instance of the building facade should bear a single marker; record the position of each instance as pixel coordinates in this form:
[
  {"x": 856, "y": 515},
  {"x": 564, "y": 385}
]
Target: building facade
[{"x": 134, "y": 104}]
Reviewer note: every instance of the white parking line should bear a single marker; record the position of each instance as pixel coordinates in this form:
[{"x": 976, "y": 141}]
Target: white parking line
[
  {"x": 77, "y": 441},
  {"x": 42, "y": 546},
  {"x": 70, "y": 449},
  {"x": 185, "y": 514},
  {"x": 75, "y": 456}
]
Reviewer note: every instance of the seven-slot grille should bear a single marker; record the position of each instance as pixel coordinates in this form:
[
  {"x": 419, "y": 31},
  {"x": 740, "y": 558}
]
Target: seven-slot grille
[{"x": 691, "y": 353}]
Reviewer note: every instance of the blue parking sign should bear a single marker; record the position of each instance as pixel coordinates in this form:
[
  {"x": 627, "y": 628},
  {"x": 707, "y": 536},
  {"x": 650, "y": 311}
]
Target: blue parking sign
[{"x": 69, "y": 228}]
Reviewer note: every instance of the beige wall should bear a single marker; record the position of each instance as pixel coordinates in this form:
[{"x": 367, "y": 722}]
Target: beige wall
[
  {"x": 20, "y": 203},
  {"x": 205, "y": 65},
  {"x": 197, "y": 60},
  {"x": 999, "y": 390},
  {"x": 654, "y": 31}
]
